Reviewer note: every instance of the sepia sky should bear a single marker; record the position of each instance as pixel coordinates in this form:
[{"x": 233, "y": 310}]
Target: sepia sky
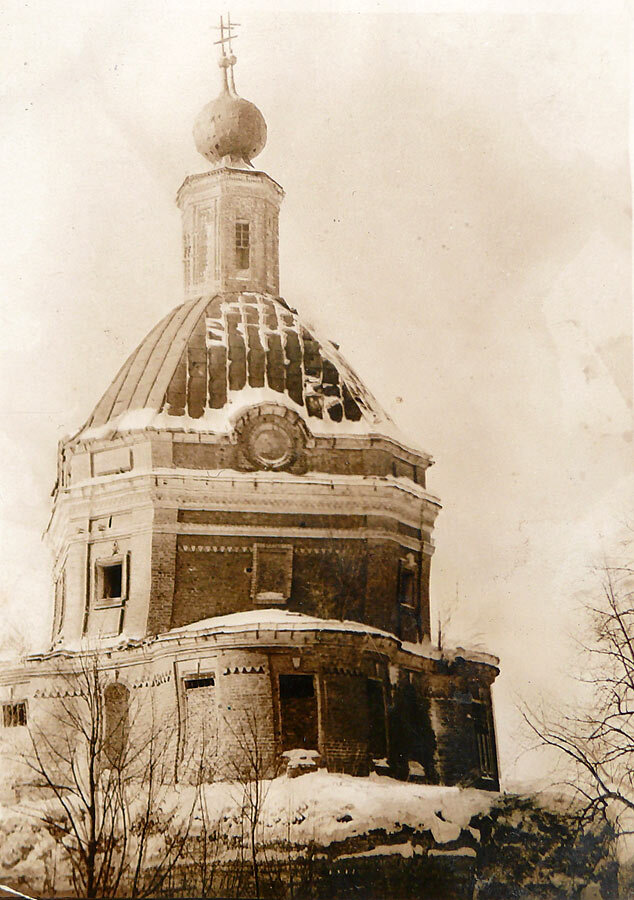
[{"x": 457, "y": 217}]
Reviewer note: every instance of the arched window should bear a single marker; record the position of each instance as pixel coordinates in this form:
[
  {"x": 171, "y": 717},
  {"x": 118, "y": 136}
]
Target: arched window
[{"x": 116, "y": 703}]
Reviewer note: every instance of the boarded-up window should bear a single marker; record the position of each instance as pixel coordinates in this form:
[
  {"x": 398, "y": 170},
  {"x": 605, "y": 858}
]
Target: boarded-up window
[
  {"x": 200, "y": 749},
  {"x": 484, "y": 740},
  {"x": 116, "y": 701},
  {"x": 298, "y": 711},
  {"x": 13, "y": 714},
  {"x": 377, "y": 742},
  {"x": 272, "y": 573}
]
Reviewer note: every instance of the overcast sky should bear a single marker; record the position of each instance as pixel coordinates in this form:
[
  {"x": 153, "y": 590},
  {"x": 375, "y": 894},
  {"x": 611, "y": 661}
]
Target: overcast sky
[{"x": 457, "y": 217}]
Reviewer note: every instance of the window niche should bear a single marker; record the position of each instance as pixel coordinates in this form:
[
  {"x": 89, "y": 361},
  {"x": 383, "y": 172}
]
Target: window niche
[
  {"x": 272, "y": 574},
  {"x": 117, "y": 725},
  {"x": 108, "y": 593},
  {"x": 407, "y": 583},
  {"x": 60, "y": 603}
]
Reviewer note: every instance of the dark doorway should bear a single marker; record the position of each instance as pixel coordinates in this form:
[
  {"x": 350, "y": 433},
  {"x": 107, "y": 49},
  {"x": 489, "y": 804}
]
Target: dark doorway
[
  {"x": 298, "y": 709},
  {"x": 377, "y": 742}
]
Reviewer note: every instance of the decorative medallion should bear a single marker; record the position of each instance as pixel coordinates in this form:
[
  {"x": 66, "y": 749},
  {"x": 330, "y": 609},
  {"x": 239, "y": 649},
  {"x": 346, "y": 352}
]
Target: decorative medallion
[
  {"x": 270, "y": 441},
  {"x": 270, "y": 445}
]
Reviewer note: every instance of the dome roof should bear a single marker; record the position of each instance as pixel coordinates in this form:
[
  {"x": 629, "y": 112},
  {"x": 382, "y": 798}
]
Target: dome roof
[
  {"x": 231, "y": 127},
  {"x": 214, "y": 356}
]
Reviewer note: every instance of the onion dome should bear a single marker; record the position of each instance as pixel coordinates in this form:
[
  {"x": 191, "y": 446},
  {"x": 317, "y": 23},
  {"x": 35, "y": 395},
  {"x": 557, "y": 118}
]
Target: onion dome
[
  {"x": 213, "y": 357},
  {"x": 229, "y": 130}
]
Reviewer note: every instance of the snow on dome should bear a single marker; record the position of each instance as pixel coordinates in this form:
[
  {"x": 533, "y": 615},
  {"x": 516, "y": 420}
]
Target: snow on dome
[
  {"x": 286, "y": 620},
  {"x": 214, "y": 356},
  {"x": 280, "y": 619}
]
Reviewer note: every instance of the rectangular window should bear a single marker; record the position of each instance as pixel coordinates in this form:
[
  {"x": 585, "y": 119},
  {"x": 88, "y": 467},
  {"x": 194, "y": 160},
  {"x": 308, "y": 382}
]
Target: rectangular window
[
  {"x": 242, "y": 245},
  {"x": 294, "y": 687},
  {"x": 199, "y": 681},
  {"x": 111, "y": 581},
  {"x": 13, "y": 714},
  {"x": 484, "y": 740},
  {"x": 485, "y": 755},
  {"x": 272, "y": 573}
]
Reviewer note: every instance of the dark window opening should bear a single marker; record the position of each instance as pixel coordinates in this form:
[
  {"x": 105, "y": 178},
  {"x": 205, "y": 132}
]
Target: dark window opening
[
  {"x": 116, "y": 697},
  {"x": 13, "y": 714},
  {"x": 242, "y": 245},
  {"x": 377, "y": 738},
  {"x": 298, "y": 712},
  {"x": 112, "y": 579},
  {"x": 296, "y": 686},
  {"x": 202, "y": 681}
]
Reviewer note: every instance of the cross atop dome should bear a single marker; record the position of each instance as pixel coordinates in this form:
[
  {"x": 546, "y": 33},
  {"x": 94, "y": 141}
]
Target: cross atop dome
[
  {"x": 227, "y": 60},
  {"x": 229, "y": 131}
]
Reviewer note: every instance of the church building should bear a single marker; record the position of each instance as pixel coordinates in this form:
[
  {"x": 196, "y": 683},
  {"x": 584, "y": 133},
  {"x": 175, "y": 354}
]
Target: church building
[{"x": 239, "y": 526}]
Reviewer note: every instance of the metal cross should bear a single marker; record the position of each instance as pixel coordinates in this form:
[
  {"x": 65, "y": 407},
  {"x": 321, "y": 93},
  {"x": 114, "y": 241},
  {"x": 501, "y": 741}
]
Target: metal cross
[{"x": 226, "y": 38}]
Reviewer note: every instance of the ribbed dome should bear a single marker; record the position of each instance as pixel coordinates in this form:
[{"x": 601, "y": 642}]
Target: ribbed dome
[{"x": 214, "y": 356}]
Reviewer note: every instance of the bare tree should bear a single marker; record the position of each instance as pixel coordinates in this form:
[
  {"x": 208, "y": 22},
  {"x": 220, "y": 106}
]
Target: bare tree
[
  {"x": 252, "y": 766},
  {"x": 103, "y": 786},
  {"x": 445, "y": 615},
  {"x": 597, "y": 738}
]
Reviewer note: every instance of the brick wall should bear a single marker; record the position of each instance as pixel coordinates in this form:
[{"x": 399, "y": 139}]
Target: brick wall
[
  {"x": 246, "y": 716},
  {"x": 345, "y": 723},
  {"x": 331, "y": 578},
  {"x": 163, "y": 575},
  {"x": 458, "y": 710},
  {"x": 382, "y": 583},
  {"x": 231, "y": 718},
  {"x": 200, "y": 741},
  {"x": 225, "y": 455},
  {"x": 411, "y": 733}
]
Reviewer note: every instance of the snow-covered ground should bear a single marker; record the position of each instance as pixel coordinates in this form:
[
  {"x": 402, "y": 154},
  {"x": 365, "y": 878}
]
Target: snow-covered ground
[
  {"x": 318, "y": 807},
  {"x": 324, "y": 807}
]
